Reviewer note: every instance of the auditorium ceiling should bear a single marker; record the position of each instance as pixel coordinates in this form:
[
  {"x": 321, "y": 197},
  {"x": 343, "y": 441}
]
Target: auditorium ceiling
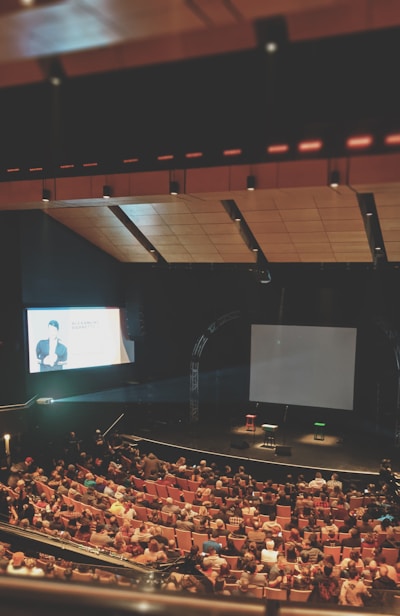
[{"x": 135, "y": 97}]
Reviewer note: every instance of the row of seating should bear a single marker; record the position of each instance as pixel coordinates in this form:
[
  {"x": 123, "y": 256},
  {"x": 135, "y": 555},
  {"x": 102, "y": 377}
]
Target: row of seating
[{"x": 277, "y": 594}]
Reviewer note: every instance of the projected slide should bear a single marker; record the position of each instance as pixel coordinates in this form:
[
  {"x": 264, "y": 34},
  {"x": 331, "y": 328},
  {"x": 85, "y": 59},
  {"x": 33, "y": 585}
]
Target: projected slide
[
  {"x": 69, "y": 338},
  {"x": 301, "y": 365}
]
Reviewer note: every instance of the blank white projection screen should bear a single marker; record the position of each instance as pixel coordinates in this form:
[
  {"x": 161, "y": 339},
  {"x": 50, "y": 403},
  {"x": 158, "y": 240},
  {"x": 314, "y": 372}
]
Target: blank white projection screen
[{"x": 302, "y": 365}]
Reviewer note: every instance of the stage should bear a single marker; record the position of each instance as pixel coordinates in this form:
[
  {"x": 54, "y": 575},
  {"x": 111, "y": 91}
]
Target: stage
[
  {"x": 158, "y": 414},
  {"x": 295, "y": 447}
]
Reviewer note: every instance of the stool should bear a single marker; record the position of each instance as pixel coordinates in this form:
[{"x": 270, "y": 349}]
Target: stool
[
  {"x": 251, "y": 422},
  {"x": 319, "y": 433}
]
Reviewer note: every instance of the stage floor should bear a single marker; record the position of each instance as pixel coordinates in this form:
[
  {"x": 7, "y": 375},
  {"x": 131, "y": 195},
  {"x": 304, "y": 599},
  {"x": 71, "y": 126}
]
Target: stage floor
[
  {"x": 294, "y": 446},
  {"x": 152, "y": 413}
]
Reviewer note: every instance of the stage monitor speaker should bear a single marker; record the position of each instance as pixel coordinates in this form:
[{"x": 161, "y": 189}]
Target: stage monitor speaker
[
  {"x": 283, "y": 450},
  {"x": 239, "y": 444}
]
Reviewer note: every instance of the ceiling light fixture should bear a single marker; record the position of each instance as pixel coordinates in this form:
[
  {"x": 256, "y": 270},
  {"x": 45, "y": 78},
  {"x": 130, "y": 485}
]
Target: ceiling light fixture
[
  {"x": 173, "y": 188},
  {"x": 46, "y": 195},
  {"x": 107, "y": 191},
  {"x": 334, "y": 179},
  {"x": 251, "y": 182}
]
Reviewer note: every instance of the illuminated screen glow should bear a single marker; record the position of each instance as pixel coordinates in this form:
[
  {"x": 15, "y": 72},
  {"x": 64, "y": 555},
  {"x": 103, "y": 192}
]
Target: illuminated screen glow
[{"x": 71, "y": 338}]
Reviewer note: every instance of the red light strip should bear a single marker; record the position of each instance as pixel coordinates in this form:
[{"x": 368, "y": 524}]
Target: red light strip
[
  {"x": 310, "y": 146},
  {"x": 36, "y": 169},
  {"x": 392, "y": 139},
  {"x": 67, "y": 166},
  {"x": 194, "y": 155},
  {"x": 232, "y": 152},
  {"x": 279, "y": 148},
  {"x": 130, "y": 160},
  {"x": 90, "y": 164},
  {"x": 362, "y": 141},
  {"x": 13, "y": 170},
  {"x": 166, "y": 157}
]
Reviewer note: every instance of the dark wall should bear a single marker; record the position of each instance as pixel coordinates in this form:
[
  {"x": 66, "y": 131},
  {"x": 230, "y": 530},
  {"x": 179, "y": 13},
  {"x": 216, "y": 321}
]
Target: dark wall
[
  {"x": 59, "y": 268},
  {"x": 180, "y": 304},
  {"x": 11, "y": 341},
  {"x": 170, "y": 308}
]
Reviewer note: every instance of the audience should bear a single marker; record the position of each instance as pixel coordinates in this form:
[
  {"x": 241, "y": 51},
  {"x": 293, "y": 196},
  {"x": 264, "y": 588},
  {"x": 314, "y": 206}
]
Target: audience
[{"x": 110, "y": 507}]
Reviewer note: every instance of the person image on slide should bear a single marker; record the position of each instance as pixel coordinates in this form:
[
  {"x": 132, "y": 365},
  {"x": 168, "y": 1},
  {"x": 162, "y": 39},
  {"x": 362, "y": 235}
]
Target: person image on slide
[{"x": 50, "y": 352}]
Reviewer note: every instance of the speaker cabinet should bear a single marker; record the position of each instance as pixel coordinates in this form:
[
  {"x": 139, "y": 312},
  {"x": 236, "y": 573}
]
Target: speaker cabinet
[{"x": 283, "y": 450}]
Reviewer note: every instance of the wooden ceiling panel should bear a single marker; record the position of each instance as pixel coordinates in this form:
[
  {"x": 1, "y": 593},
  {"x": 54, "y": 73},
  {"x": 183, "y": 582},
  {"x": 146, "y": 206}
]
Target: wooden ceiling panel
[
  {"x": 260, "y": 216},
  {"x": 198, "y": 249},
  {"x": 149, "y": 220},
  {"x": 393, "y": 250},
  {"x": 100, "y": 227},
  {"x": 280, "y": 248},
  {"x": 221, "y": 229},
  {"x": 319, "y": 257},
  {"x": 390, "y": 224},
  {"x": 171, "y": 207},
  {"x": 309, "y": 237},
  {"x": 353, "y": 257},
  {"x": 179, "y": 219},
  {"x": 347, "y": 236},
  {"x": 264, "y": 239},
  {"x": 339, "y": 213},
  {"x": 390, "y": 235},
  {"x": 194, "y": 240},
  {"x": 310, "y": 248},
  {"x": 267, "y": 227},
  {"x": 284, "y": 257},
  {"x": 311, "y": 214},
  {"x": 157, "y": 230},
  {"x": 207, "y": 258},
  {"x": 344, "y": 225},
  {"x": 389, "y": 211},
  {"x": 179, "y": 230},
  {"x": 311, "y": 226},
  {"x": 234, "y": 240},
  {"x": 214, "y": 217}
]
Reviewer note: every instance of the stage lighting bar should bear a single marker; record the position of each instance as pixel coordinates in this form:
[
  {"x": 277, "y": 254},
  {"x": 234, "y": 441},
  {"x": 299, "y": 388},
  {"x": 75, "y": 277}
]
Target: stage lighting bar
[
  {"x": 392, "y": 139},
  {"x": 359, "y": 142},
  {"x": 126, "y": 161},
  {"x": 194, "y": 155},
  {"x": 310, "y": 146},
  {"x": 165, "y": 157},
  {"x": 234, "y": 152},
  {"x": 278, "y": 148}
]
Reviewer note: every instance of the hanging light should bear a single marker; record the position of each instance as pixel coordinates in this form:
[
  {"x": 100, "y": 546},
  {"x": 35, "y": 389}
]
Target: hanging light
[
  {"x": 251, "y": 182},
  {"x": 334, "y": 180},
  {"x": 107, "y": 191},
  {"x": 46, "y": 195},
  {"x": 173, "y": 188}
]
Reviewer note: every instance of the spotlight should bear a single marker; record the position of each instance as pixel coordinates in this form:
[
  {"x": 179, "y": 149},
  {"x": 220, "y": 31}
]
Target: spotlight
[
  {"x": 251, "y": 182},
  {"x": 334, "y": 179},
  {"x": 265, "y": 277},
  {"x": 271, "y": 33},
  {"x": 107, "y": 192},
  {"x": 46, "y": 195},
  {"x": 271, "y": 47},
  {"x": 173, "y": 188}
]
